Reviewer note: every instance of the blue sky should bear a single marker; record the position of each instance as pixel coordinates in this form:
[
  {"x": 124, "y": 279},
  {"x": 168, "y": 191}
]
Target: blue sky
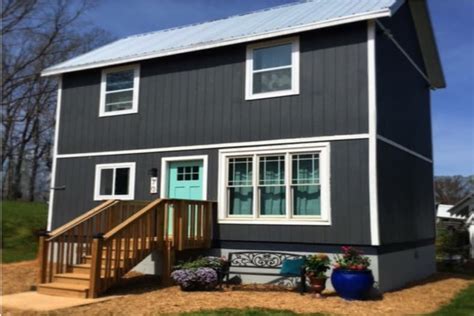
[{"x": 452, "y": 108}]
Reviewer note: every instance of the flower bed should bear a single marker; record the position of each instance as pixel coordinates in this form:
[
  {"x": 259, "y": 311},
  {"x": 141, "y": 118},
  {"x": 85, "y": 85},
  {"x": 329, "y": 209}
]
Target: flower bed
[{"x": 202, "y": 274}]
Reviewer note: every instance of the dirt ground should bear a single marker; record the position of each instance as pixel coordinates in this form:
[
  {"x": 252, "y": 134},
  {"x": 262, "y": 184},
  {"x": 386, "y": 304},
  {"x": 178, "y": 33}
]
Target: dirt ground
[{"x": 145, "y": 297}]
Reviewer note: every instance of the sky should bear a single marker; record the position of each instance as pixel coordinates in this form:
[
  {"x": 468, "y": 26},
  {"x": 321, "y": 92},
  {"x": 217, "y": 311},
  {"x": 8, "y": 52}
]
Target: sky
[{"x": 453, "y": 22}]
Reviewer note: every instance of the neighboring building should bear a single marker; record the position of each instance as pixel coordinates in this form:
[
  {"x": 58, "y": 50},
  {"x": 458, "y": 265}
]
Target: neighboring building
[
  {"x": 446, "y": 219},
  {"x": 309, "y": 123},
  {"x": 465, "y": 209}
]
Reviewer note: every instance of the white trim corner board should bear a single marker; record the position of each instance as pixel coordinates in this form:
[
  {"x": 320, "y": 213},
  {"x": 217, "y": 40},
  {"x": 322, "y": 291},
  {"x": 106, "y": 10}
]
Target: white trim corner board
[
  {"x": 164, "y": 172},
  {"x": 372, "y": 97},
  {"x": 55, "y": 154}
]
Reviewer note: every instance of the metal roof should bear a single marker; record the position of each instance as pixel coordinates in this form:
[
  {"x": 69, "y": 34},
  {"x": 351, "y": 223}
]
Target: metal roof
[{"x": 287, "y": 19}]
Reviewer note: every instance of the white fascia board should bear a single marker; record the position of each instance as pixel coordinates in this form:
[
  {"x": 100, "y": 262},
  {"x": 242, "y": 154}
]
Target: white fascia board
[{"x": 291, "y": 30}]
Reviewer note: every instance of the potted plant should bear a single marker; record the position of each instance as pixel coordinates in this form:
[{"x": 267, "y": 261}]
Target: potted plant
[
  {"x": 351, "y": 277},
  {"x": 316, "y": 267},
  {"x": 202, "y": 274}
]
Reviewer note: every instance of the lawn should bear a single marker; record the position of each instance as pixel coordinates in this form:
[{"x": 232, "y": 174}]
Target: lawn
[
  {"x": 461, "y": 305},
  {"x": 20, "y": 223},
  {"x": 246, "y": 312},
  {"x": 240, "y": 312}
]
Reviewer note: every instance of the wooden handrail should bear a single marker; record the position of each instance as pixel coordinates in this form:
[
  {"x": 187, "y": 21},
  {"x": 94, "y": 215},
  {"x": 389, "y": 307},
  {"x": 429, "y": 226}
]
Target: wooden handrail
[
  {"x": 131, "y": 219},
  {"x": 78, "y": 220},
  {"x": 71, "y": 243}
]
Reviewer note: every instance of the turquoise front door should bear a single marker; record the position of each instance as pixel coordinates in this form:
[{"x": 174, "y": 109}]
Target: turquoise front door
[{"x": 185, "y": 180}]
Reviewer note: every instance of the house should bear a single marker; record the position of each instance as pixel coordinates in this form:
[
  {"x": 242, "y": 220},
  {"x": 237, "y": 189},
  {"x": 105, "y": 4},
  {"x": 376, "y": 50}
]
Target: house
[
  {"x": 464, "y": 209},
  {"x": 308, "y": 123},
  {"x": 445, "y": 218}
]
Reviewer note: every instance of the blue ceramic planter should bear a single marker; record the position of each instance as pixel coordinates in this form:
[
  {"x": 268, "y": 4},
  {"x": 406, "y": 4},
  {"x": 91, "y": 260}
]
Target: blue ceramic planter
[{"x": 352, "y": 285}]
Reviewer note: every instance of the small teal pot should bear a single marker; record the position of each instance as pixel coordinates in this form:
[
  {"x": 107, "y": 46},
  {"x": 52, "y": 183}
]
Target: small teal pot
[{"x": 352, "y": 285}]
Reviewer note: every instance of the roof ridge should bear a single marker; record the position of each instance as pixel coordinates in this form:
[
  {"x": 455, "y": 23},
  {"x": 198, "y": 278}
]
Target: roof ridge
[{"x": 298, "y": 2}]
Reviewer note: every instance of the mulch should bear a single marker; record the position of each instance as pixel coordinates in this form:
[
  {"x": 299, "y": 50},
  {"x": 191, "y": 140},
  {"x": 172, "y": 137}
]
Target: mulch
[{"x": 144, "y": 296}]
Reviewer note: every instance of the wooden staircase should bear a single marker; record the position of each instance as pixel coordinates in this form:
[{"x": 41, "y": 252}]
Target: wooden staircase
[{"x": 78, "y": 260}]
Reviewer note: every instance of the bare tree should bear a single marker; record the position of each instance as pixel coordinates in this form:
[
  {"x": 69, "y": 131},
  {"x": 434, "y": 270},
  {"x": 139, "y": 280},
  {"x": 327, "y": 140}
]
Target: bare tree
[
  {"x": 450, "y": 190},
  {"x": 35, "y": 34}
]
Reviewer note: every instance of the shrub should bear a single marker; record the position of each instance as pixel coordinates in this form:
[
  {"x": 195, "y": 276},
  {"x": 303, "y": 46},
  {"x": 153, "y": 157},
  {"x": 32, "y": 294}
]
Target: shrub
[
  {"x": 203, "y": 273},
  {"x": 351, "y": 259},
  {"x": 203, "y": 262},
  {"x": 452, "y": 242},
  {"x": 317, "y": 265},
  {"x": 195, "y": 279}
]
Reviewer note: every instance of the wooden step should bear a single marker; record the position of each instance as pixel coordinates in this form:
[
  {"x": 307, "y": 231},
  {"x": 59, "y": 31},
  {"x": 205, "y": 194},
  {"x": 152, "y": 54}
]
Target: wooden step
[
  {"x": 73, "y": 278},
  {"x": 88, "y": 261},
  {"x": 64, "y": 289},
  {"x": 84, "y": 268}
]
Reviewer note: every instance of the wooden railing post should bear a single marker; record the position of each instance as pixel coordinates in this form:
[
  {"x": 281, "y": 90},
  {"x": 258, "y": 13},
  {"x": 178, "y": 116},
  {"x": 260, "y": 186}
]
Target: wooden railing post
[
  {"x": 96, "y": 265},
  {"x": 43, "y": 256},
  {"x": 208, "y": 224},
  {"x": 181, "y": 232},
  {"x": 168, "y": 262}
]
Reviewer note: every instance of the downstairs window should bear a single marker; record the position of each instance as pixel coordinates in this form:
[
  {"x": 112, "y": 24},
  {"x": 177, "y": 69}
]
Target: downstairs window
[
  {"x": 115, "y": 181},
  {"x": 275, "y": 186}
]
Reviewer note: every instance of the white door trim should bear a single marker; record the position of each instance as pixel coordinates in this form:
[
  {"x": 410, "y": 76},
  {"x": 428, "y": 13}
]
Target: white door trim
[{"x": 165, "y": 173}]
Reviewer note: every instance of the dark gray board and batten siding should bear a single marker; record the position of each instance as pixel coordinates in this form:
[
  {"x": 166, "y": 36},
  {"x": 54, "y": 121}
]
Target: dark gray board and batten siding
[
  {"x": 199, "y": 98},
  {"x": 405, "y": 182},
  {"x": 403, "y": 95},
  {"x": 349, "y": 195}
]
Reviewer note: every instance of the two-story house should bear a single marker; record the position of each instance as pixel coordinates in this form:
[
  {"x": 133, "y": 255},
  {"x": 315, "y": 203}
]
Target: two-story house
[{"x": 308, "y": 123}]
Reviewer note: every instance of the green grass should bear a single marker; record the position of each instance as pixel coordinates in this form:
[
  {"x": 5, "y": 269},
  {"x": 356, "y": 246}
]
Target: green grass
[
  {"x": 461, "y": 305},
  {"x": 244, "y": 312},
  {"x": 20, "y": 223}
]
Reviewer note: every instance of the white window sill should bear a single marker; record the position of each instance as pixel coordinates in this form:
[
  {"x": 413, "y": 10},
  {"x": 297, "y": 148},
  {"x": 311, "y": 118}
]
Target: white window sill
[
  {"x": 251, "y": 221},
  {"x": 114, "y": 197},
  {"x": 115, "y": 113},
  {"x": 267, "y": 95}
]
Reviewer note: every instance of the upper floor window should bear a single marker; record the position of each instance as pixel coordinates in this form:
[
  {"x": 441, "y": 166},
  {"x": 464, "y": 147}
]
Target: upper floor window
[
  {"x": 272, "y": 69},
  {"x": 119, "y": 90}
]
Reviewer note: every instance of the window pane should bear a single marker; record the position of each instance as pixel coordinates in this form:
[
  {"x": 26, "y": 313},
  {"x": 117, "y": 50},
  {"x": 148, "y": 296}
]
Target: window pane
[
  {"x": 118, "y": 107},
  {"x": 272, "y": 200},
  {"x": 307, "y": 200},
  {"x": 121, "y": 180},
  {"x": 305, "y": 169},
  {"x": 120, "y": 80},
  {"x": 240, "y": 171},
  {"x": 272, "y": 170},
  {"x": 106, "y": 178},
  {"x": 240, "y": 200},
  {"x": 119, "y": 97},
  {"x": 274, "y": 80},
  {"x": 270, "y": 57}
]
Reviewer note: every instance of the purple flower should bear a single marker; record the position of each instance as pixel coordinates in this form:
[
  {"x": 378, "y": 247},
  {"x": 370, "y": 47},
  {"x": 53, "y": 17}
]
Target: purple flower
[{"x": 200, "y": 278}]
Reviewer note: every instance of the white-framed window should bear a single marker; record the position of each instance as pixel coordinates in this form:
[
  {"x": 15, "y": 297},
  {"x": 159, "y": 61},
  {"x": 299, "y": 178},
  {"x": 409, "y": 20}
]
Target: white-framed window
[
  {"x": 119, "y": 90},
  {"x": 272, "y": 69},
  {"x": 115, "y": 181},
  {"x": 287, "y": 184}
]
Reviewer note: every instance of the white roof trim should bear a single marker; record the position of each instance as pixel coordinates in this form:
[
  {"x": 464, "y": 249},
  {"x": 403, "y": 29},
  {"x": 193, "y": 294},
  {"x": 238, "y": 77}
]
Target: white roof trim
[{"x": 287, "y": 31}]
